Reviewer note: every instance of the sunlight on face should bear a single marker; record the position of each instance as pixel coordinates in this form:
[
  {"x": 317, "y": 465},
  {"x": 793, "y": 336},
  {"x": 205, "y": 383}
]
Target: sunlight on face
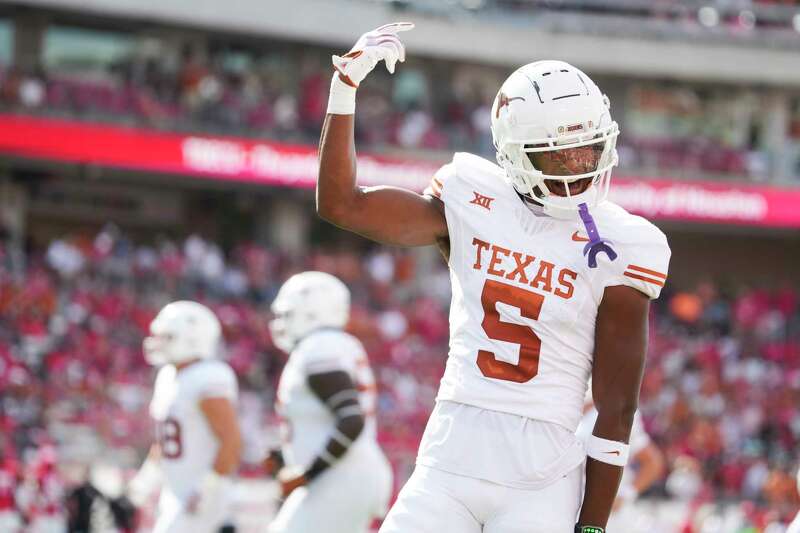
[{"x": 568, "y": 162}]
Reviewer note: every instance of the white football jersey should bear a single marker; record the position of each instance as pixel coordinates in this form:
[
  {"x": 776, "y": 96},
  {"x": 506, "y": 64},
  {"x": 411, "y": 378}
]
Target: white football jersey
[
  {"x": 188, "y": 446},
  {"x": 524, "y": 303},
  {"x": 307, "y": 421}
]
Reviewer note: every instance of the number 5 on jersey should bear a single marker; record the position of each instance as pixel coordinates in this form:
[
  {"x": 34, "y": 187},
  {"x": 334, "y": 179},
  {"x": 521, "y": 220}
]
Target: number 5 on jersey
[{"x": 529, "y": 304}]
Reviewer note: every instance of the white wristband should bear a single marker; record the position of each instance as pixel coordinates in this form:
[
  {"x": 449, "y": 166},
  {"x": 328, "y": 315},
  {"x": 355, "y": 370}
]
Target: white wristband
[
  {"x": 342, "y": 98},
  {"x": 608, "y": 451}
]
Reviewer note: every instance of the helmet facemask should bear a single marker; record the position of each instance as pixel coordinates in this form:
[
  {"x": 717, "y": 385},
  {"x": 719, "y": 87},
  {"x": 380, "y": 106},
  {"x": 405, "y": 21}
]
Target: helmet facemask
[
  {"x": 281, "y": 328},
  {"x": 550, "y": 107},
  {"x": 570, "y": 159}
]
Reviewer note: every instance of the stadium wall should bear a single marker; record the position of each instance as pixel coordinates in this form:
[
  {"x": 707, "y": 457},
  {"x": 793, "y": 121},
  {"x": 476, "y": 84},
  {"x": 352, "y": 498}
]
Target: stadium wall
[{"x": 489, "y": 40}]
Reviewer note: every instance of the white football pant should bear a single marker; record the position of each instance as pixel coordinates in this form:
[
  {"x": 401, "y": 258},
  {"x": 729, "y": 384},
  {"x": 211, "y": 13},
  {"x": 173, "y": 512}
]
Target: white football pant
[
  {"x": 173, "y": 518},
  {"x": 434, "y": 501},
  {"x": 344, "y": 499}
]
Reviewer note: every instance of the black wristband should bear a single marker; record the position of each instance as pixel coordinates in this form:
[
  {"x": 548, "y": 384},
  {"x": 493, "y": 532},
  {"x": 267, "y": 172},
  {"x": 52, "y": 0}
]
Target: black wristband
[
  {"x": 277, "y": 456},
  {"x": 589, "y": 529},
  {"x": 317, "y": 467}
]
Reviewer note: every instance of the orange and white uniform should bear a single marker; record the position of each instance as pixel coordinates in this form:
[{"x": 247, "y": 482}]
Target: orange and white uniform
[
  {"x": 522, "y": 327},
  {"x": 187, "y": 443},
  {"x": 356, "y": 489}
]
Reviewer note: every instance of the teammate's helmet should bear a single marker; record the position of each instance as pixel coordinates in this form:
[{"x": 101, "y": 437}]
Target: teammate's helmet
[
  {"x": 182, "y": 331},
  {"x": 552, "y": 106},
  {"x": 307, "y": 302}
]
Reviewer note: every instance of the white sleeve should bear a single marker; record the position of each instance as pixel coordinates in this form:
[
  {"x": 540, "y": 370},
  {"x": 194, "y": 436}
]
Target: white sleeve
[
  {"x": 439, "y": 181},
  {"x": 642, "y": 264},
  {"x": 219, "y": 381}
]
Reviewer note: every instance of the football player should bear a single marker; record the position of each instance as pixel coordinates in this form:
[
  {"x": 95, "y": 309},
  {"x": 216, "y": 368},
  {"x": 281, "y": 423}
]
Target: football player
[
  {"x": 335, "y": 478},
  {"x": 198, "y": 442},
  {"x": 551, "y": 283},
  {"x": 649, "y": 467}
]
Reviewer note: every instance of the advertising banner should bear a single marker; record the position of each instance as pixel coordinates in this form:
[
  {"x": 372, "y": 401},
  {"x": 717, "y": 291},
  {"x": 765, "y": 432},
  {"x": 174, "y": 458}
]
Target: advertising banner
[{"x": 279, "y": 164}]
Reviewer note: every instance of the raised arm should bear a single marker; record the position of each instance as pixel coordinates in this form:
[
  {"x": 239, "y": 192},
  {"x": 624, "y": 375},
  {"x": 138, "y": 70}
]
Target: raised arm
[
  {"x": 388, "y": 215},
  {"x": 619, "y": 356}
]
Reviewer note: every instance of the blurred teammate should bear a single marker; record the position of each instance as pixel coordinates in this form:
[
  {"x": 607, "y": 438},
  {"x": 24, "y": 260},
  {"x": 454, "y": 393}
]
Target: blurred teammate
[
  {"x": 550, "y": 283},
  {"x": 335, "y": 478},
  {"x": 197, "y": 433},
  {"x": 649, "y": 467}
]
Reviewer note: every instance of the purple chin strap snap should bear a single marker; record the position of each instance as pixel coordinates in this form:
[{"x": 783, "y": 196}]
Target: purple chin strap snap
[{"x": 596, "y": 244}]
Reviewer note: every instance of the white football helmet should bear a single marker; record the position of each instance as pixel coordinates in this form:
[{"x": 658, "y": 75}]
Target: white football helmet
[
  {"x": 307, "y": 302},
  {"x": 182, "y": 331},
  {"x": 546, "y": 106}
]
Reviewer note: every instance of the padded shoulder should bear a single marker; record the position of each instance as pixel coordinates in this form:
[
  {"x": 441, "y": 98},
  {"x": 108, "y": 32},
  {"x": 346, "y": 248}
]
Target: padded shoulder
[
  {"x": 213, "y": 378},
  {"x": 328, "y": 350},
  {"x": 465, "y": 174},
  {"x": 642, "y": 248}
]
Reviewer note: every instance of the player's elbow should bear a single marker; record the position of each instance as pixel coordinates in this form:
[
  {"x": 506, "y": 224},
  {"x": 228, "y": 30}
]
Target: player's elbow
[
  {"x": 352, "y": 426},
  {"x": 328, "y": 210},
  {"x": 341, "y": 212}
]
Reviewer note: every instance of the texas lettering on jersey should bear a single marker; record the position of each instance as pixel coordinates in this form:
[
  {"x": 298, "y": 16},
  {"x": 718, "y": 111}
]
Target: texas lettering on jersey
[{"x": 504, "y": 263}]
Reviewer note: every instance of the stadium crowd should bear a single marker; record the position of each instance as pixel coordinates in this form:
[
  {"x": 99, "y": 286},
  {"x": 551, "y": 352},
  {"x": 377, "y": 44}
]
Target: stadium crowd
[
  {"x": 281, "y": 93},
  {"x": 720, "y": 394}
]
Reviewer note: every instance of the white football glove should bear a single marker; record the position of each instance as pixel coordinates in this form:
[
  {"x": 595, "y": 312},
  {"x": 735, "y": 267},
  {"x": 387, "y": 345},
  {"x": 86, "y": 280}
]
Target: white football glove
[
  {"x": 353, "y": 67},
  {"x": 370, "y": 48},
  {"x": 144, "y": 482},
  {"x": 207, "y": 496}
]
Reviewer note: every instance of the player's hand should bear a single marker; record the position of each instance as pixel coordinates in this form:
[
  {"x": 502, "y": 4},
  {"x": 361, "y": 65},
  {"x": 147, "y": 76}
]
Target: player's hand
[
  {"x": 272, "y": 463},
  {"x": 289, "y": 480},
  {"x": 207, "y": 494},
  {"x": 380, "y": 44}
]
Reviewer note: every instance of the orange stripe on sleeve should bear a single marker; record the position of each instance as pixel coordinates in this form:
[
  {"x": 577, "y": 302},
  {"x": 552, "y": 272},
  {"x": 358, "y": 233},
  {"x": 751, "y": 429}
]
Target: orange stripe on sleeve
[
  {"x": 435, "y": 188},
  {"x": 644, "y": 278},
  {"x": 648, "y": 271},
  {"x": 434, "y": 192}
]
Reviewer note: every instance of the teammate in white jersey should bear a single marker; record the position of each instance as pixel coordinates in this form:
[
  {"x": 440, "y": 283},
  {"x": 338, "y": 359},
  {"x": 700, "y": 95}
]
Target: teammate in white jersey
[
  {"x": 648, "y": 461},
  {"x": 551, "y": 284},
  {"x": 335, "y": 478},
  {"x": 198, "y": 443}
]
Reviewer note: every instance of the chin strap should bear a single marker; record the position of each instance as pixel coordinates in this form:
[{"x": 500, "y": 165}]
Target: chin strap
[{"x": 596, "y": 243}]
